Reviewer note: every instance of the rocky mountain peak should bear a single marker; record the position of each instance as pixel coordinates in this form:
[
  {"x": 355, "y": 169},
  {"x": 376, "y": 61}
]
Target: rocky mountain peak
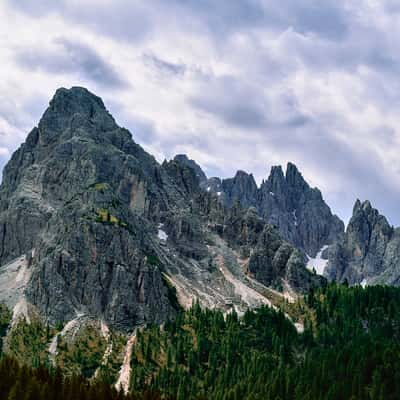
[
  {"x": 294, "y": 178},
  {"x": 242, "y": 187},
  {"x": 245, "y": 180},
  {"x": 357, "y": 206},
  {"x": 74, "y": 100},
  {"x": 364, "y": 206},
  {"x": 76, "y": 112},
  {"x": 276, "y": 176},
  {"x": 298, "y": 210},
  {"x": 184, "y": 159},
  {"x": 365, "y": 219},
  {"x": 288, "y": 202},
  {"x": 369, "y": 248},
  {"x": 98, "y": 228}
]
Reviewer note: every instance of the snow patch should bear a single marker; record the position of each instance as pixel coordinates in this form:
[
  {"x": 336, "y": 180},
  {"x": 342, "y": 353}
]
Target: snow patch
[
  {"x": 161, "y": 233},
  {"x": 318, "y": 263},
  {"x": 364, "y": 283},
  {"x": 272, "y": 193},
  {"x": 209, "y": 188},
  {"x": 219, "y": 193}
]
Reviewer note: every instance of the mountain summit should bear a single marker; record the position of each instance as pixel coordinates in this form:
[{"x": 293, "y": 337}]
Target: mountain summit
[
  {"x": 91, "y": 225},
  {"x": 286, "y": 201},
  {"x": 369, "y": 253}
]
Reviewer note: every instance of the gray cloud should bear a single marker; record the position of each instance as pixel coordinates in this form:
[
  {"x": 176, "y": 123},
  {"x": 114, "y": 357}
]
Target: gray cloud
[
  {"x": 124, "y": 19},
  {"x": 231, "y": 100},
  {"x": 242, "y": 104},
  {"x": 67, "y": 56},
  {"x": 133, "y": 20},
  {"x": 256, "y": 82},
  {"x": 162, "y": 66}
]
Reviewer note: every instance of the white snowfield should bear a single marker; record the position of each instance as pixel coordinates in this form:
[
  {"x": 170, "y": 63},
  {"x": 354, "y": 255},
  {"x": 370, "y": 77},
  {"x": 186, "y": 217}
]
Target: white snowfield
[
  {"x": 161, "y": 233},
  {"x": 318, "y": 263},
  {"x": 364, "y": 283}
]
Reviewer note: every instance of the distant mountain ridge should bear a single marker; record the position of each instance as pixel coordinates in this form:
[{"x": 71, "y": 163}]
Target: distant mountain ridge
[
  {"x": 367, "y": 253},
  {"x": 284, "y": 200},
  {"x": 93, "y": 227}
]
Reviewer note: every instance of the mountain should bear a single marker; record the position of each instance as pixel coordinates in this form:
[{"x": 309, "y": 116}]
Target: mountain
[
  {"x": 369, "y": 252},
  {"x": 92, "y": 227},
  {"x": 155, "y": 281},
  {"x": 286, "y": 201},
  {"x": 183, "y": 159},
  {"x": 349, "y": 350}
]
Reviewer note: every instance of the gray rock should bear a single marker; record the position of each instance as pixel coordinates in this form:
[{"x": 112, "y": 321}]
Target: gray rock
[
  {"x": 85, "y": 205},
  {"x": 369, "y": 253},
  {"x": 242, "y": 188},
  {"x": 183, "y": 159},
  {"x": 286, "y": 201},
  {"x": 81, "y": 193}
]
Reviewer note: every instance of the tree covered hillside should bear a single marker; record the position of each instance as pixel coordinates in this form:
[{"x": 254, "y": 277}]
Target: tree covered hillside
[{"x": 350, "y": 349}]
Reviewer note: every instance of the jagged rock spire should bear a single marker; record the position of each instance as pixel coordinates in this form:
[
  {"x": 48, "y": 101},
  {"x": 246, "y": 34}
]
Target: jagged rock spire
[{"x": 370, "y": 250}]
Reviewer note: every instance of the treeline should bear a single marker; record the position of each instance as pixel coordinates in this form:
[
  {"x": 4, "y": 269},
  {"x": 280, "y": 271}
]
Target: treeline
[{"x": 350, "y": 349}]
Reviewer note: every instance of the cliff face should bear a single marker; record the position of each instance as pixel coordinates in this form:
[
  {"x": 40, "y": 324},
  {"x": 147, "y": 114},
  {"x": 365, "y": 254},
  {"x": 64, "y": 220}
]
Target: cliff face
[
  {"x": 77, "y": 197},
  {"x": 90, "y": 224},
  {"x": 299, "y": 211},
  {"x": 369, "y": 253},
  {"x": 286, "y": 201}
]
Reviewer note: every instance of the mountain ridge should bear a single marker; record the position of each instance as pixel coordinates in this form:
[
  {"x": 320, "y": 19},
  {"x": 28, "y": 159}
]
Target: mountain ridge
[
  {"x": 284, "y": 200},
  {"x": 82, "y": 206},
  {"x": 369, "y": 252}
]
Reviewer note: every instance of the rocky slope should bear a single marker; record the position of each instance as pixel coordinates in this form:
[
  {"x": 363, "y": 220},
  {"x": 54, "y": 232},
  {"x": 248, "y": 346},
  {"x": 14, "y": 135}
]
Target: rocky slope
[
  {"x": 369, "y": 253},
  {"x": 92, "y": 227},
  {"x": 284, "y": 200}
]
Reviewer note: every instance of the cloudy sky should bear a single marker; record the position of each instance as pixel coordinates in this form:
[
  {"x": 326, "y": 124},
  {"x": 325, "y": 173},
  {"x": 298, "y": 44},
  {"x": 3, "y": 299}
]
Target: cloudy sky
[{"x": 234, "y": 84}]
